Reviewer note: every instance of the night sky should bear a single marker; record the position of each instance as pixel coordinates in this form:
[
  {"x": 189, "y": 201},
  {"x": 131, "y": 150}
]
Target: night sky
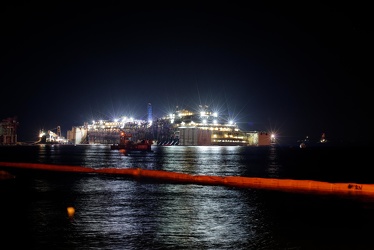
[{"x": 299, "y": 70}]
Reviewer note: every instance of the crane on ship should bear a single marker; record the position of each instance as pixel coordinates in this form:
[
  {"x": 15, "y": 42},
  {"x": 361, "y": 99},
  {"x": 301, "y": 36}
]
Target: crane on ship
[{"x": 58, "y": 132}]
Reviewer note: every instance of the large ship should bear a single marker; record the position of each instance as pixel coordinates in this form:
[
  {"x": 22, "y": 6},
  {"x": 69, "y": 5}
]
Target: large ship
[
  {"x": 207, "y": 128},
  {"x": 182, "y": 127}
]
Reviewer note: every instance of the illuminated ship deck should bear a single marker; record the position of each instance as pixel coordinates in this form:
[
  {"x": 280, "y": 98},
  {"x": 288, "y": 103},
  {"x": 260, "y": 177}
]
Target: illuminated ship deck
[{"x": 182, "y": 127}]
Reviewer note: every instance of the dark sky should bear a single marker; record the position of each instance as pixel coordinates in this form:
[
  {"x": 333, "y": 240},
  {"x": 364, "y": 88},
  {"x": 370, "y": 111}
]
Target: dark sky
[{"x": 299, "y": 69}]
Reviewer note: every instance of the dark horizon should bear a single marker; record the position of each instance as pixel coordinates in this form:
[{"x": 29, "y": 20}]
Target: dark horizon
[{"x": 300, "y": 70}]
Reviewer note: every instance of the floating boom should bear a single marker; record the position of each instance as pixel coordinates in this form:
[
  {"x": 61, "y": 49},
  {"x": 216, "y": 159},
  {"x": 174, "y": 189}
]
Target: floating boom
[{"x": 233, "y": 181}]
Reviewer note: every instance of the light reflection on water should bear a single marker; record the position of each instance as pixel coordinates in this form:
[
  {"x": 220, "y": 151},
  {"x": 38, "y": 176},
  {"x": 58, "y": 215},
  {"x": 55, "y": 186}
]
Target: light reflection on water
[
  {"x": 190, "y": 216},
  {"x": 114, "y": 212}
]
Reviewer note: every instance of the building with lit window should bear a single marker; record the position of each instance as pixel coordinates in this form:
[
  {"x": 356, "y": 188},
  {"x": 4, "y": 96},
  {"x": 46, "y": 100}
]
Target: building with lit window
[{"x": 8, "y": 131}]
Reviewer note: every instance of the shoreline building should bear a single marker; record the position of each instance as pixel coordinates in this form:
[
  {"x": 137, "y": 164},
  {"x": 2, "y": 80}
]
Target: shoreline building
[{"x": 8, "y": 131}]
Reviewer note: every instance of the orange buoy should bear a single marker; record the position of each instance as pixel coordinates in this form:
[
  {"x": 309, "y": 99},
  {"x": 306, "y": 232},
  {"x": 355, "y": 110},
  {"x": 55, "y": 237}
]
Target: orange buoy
[{"x": 71, "y": 211}]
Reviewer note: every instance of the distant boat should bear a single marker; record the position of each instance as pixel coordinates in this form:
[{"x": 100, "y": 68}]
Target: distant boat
[
  {"x": 304, "y": 142},
  {"x": 323, "y": 138},
  {"x": 127, "y": 144},
  {"x": 144, "y": 145}
]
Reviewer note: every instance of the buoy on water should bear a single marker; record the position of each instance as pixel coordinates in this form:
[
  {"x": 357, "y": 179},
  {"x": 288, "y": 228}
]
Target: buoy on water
[{"x": 71, "y": 211}]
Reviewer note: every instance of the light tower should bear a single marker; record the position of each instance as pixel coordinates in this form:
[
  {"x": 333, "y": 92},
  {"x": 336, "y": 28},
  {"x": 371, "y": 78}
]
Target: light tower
[{"x": 150, "y": 119}]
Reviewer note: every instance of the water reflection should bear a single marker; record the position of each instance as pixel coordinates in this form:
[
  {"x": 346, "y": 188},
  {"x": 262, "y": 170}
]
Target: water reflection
[
  {"x": 273, "y": 166},
  {"x": 165, "y": 214},
  {"x": 116, "y": 212}
]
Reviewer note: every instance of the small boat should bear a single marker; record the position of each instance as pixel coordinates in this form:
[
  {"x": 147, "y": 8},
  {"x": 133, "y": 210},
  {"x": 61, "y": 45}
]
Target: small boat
[
  {"x": 323, "y": 138},
  {"x": 127, "y": 144}
]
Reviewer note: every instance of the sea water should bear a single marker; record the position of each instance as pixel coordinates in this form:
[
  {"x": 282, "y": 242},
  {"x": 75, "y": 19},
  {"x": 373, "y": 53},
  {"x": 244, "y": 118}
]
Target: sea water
[{"x": 117, "y": 212}]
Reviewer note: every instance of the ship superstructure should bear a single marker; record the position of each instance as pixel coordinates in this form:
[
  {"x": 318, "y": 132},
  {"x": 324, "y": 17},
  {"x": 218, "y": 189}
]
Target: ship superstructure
[
  {"x": 108, "y": 132},
  {"x": 181, "y": 127},
  {"x": 210, "y": 128}
]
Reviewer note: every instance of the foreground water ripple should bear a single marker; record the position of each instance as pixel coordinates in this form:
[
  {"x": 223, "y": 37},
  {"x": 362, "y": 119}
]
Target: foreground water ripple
[{"x": 115, "y": 212}]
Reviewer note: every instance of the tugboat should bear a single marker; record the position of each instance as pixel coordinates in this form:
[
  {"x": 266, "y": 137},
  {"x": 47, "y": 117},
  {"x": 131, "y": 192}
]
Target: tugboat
[
  {"x": 127, "y": 144},
  {"x": 323, "y": 138}
]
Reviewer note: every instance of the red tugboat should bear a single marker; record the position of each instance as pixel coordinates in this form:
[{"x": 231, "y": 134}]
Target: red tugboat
[{"x": 129, "y": 145}]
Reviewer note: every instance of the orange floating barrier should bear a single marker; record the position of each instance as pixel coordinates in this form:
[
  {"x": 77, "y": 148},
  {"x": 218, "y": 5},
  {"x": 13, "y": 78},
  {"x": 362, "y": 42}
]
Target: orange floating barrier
[
  {"x": 233, "y": 181},
  {"x": 208, "y": 180}
]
